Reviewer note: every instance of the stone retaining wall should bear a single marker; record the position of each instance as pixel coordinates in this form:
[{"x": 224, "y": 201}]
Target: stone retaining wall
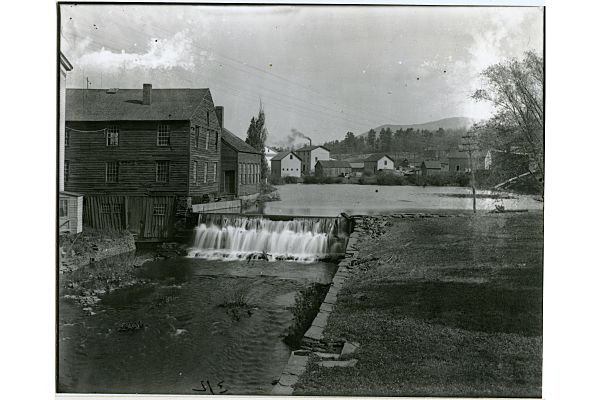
[{"x": 95, "y": 250}]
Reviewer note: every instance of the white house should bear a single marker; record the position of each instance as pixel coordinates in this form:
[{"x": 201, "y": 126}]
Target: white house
[
  {"x": 70, "y": 205},
  {"x": 378, "y": 162},
  {"x": 65, "y": 66},
  {"x": 286, "y": 163},
  {"x": 310, "y": 155},
  {"x": 269, "y": 154}
]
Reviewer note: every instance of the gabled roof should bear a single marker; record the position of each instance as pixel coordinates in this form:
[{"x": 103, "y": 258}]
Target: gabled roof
[
  {"x": 429, "y": 164},
  {"x": 377, "y": 157},
  {"x": 126, "y": 104},
  {"x": 237, "y": 143},
  {"x": 334, "y": 164},
  {"x": 282, "y": 155},
  {"x": 311, "y": 148}
]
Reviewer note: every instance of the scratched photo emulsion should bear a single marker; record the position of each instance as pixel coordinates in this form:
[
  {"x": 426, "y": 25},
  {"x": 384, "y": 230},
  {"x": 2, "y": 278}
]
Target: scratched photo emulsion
[{"x": 300, "y": 200}]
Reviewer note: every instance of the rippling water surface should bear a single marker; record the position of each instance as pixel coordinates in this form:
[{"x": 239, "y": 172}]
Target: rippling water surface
[{"x": 188, "y": 338}]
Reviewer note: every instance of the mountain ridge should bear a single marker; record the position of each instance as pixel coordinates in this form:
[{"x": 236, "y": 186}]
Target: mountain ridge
[{"x": 444, "y": 123}]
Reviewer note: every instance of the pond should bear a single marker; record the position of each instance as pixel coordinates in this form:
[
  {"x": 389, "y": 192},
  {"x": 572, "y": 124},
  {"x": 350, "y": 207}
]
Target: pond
[
  {"x": 331, "y": 200},
  {"x": 188, "y": 335}
]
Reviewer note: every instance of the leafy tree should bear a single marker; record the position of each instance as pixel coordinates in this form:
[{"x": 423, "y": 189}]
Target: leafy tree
[
  {"x": 516, "y": 89},
  {"x": 257, "y": 136}
]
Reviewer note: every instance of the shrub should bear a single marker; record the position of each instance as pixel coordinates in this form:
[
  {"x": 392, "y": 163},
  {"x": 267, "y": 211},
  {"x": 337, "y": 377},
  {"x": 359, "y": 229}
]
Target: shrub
[
  {"x": 290, "y": 179},
  {"x": 389, "y": 179},
  {"x": 275, "y": 179}
]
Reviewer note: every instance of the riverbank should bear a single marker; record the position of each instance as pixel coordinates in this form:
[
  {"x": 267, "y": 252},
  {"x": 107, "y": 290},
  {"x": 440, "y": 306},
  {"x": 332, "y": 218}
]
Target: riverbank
[
  {"x": 94, "y": 263},
  {"x": 91, "y": 245},
  {"x": 440, "y": 307}
]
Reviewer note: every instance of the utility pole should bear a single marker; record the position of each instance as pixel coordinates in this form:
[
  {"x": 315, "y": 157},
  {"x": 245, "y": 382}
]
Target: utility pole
[
  {"x": 87, "y": 82},
  {"x": 469, "y": 145}
]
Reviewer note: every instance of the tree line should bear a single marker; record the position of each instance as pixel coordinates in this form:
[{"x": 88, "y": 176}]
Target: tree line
[{"x": 400, "y": 140}]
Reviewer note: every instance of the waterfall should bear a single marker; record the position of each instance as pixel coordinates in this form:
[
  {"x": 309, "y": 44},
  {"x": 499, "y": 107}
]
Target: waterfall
[{"x": 224, "y": 237}]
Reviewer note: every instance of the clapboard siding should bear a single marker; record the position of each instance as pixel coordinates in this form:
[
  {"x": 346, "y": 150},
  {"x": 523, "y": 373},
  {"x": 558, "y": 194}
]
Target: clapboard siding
[
  {"x": 209, "y": 130},
  {"x": 136, "y": 153},
  {"x": 251, "y": 183},
  {"x": 73, "y": 221}
]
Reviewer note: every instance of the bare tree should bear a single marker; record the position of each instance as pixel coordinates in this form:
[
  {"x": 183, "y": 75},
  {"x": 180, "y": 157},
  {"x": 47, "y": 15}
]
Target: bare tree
[{"x": 516, "y": 89}]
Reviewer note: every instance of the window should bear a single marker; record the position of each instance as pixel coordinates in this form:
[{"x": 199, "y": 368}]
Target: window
[
  {"x": 63, "y": 209},
  {"x": 458, "y": 167},
  {"x": 195, "y": 172},
  {"x": 112, "y": 172},
  {"x": 216, "y": 141},
  {"x": 66, "y": 170},
  {"x": 214, "y": 172},
  {"x": 163, "y": 135},
  {"x": 67, "y": 137},
  {"x": 159, "y": 209},
  {"x": 207, "y": 140},
  {"x": 112, "y": 136},
  {"x": 105, "y": 208},
  {"x": 240, "y": 173},
  {"x": 197, "y": 136},
  {"x": 291, "y": 157},
  {"x": 162, "y": 171},
  {"x": 208, "y": 119},
  {"x": 117, "y": 209},
  {"x": 205, "y": 171},
  {"x": 316, "y": 159}
]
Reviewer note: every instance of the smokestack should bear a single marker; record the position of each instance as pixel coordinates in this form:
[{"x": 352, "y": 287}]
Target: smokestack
[
  {"x": 147, "y": 97},
  {"x": 219, "y": 110},
  {"x": 309, "y": 141}
]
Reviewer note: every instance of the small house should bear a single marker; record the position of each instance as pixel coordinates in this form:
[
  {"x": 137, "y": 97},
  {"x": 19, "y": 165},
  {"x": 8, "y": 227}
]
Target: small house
[
  {"x": 70, "y": 212},
  {"x": 332, "y": 168},
  {"x": 378, "y": 162},
  {"x": 240, "y": 164},
  {"x": 286, "y": 163},
  {"x": 458, "y": 161},
  {"x": 430, "y": 167}
]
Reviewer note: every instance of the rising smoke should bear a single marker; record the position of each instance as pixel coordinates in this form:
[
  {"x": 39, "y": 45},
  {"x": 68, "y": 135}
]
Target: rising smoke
[{"x": 291, "y": 138}]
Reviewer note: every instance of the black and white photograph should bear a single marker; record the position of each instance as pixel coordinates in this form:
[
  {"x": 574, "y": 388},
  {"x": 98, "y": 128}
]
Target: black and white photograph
[{"x": 300, "y": 199}]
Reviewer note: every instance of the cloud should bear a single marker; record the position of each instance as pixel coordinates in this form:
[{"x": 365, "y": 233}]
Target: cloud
[{"x": 176, "y": 51}]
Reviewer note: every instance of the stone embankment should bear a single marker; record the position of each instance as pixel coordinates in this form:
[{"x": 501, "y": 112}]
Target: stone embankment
[
  {"x": 339, "y": 354},
  {"x": 76, "y": 251}
]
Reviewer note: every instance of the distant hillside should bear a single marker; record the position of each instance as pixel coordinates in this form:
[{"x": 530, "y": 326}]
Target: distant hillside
[{"x": 446, "y": 124}]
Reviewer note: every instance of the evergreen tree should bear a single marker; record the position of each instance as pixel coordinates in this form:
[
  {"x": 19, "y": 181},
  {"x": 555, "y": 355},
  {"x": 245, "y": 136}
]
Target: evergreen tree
[{"x": 256, "y": 137}]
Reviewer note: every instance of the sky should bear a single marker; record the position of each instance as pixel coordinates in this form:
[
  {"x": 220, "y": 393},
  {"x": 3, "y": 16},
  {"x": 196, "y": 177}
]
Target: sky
[{"x": 320, "y": 70}]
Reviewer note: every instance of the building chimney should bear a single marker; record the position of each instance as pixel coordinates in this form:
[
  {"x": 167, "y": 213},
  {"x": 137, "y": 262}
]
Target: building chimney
[
  {"x": 309, "y": 141},
  {"x": 147, "y": 98},
  {"x": 219, "y": 110}
]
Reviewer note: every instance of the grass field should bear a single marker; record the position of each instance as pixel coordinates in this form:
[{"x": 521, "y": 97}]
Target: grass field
[{"x": 453, "y": 307}]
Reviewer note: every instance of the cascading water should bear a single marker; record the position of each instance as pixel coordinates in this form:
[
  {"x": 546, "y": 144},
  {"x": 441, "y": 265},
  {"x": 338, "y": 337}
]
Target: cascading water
[{"x": 239, "y": 237}]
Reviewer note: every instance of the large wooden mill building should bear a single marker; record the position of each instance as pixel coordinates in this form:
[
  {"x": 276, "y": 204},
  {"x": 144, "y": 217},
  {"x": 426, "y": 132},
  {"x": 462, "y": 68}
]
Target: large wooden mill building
[{"x": 141, "y": 155}]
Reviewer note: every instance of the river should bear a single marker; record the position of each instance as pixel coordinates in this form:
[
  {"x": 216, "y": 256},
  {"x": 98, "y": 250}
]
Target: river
[
  {"x": 331, "y": 200},
  {"x": 188, "y": 337}
]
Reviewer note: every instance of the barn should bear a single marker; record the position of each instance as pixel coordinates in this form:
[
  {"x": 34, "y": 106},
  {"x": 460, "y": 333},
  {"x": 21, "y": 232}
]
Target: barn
[{"x": 332, "y": 168}]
